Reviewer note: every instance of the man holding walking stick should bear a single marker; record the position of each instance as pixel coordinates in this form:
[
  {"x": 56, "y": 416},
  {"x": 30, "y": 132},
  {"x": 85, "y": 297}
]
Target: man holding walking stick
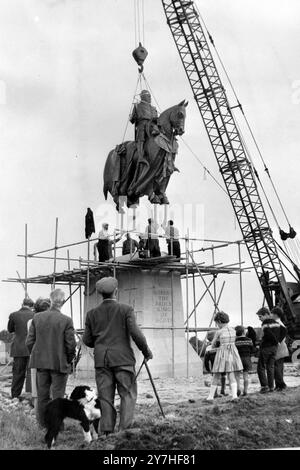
[{"x": 108, "y": 329}]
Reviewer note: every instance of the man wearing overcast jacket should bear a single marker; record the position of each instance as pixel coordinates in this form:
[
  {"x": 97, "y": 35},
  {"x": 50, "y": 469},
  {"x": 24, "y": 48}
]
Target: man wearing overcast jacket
[{"x": 108, "y": 329}]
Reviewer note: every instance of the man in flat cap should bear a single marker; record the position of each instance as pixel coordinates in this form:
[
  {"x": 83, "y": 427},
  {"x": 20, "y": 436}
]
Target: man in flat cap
[
  {"x": 17, "y": 324},
  {"x": 108, "y": 329}
]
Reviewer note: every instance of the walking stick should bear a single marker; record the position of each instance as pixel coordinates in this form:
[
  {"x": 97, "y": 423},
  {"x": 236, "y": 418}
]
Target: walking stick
[
  {"x": 6, "y": 366},
  {"x": 154, "y": 389},
  {"x": 138, "y": 372}
]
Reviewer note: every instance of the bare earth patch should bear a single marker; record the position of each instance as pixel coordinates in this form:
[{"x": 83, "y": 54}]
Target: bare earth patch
[{"x": 255, "y": 422}]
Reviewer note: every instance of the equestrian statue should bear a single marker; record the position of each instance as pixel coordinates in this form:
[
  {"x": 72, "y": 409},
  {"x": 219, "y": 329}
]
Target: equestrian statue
[{"x": 143, "y": 167}]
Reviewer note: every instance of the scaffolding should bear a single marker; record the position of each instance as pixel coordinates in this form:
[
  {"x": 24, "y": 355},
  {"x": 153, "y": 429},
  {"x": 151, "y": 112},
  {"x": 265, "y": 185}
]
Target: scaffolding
[{"x": 189, "y": 268}]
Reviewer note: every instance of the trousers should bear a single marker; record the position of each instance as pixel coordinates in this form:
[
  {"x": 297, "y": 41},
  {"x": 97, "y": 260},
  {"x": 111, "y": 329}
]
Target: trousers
[
  {"x": 108, "y": 379},
  {"x": 19, "y": 371},
  {"x": 51, "y": 384},
  {"x": 174, "y": 248},
  {"x": 103, "y": 250},
  {"x": 266, "y": 362},
  {"x": 278, "y": 372}
]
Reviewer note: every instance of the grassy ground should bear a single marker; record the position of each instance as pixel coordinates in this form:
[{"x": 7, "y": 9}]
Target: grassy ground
[{"x": 255, "y": 422}]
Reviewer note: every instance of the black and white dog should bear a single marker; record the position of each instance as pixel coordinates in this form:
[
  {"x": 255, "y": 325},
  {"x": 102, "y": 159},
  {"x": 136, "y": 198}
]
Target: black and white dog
[{"x": 83, "y": 405}]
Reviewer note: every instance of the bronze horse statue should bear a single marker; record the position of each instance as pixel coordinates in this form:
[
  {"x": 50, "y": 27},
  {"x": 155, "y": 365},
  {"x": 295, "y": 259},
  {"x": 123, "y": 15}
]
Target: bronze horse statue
[{"x": 126, "y": 176}]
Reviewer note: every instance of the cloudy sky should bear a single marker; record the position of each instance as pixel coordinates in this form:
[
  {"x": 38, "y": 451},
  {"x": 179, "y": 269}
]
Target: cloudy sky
[{"x": 67, "y": 82}]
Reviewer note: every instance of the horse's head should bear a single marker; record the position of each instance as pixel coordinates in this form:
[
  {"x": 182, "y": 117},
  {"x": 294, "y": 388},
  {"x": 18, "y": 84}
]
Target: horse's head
[{"x": 177, "y": 117}]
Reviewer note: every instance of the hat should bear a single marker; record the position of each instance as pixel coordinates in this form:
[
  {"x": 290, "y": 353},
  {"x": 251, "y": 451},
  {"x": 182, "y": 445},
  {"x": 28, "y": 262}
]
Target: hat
[
  {"x": 106, "y": 285},
  {"x": 144, "y": 92}
]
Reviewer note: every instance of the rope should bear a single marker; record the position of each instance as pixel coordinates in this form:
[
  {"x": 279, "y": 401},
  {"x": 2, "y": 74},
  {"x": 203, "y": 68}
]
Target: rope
[
  {"x": 245, "y": 118},
  {"x": 203, "y": 166}
]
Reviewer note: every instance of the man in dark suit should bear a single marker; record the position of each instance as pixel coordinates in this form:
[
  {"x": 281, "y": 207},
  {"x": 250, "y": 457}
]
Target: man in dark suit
[
  {"x": 108, "y": 329},
  {"x": 52, "y": 344},
  {"x": 17, "y": 324}
]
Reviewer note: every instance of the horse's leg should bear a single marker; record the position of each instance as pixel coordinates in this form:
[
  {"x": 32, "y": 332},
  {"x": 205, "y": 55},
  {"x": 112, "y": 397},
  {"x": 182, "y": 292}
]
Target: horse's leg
[
  {"x": 159, "y": 191},
  {"x": 162, "y": 194},
  {"x": 154, "y": 198},
  {"x": 163, "y": 199},
  {"x": 133, "y": 201}
]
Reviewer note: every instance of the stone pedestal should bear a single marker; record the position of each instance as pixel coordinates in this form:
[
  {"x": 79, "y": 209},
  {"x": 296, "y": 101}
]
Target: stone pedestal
[{"x": 156, "y": 297}]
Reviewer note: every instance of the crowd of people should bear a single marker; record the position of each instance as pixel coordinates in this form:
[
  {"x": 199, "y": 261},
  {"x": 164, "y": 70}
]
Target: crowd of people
[
  {"x": 146, "y": 247},
  {"x": 44, "y": 341},
  {"x": 230, "y": 351}
]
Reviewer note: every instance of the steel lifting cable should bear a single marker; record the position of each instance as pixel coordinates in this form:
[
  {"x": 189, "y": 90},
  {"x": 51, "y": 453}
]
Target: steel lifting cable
[
  {"x": 138, "y": 84},
  {"x": 246, "y": 120},
  {"x": 298, "y": 249},
  {"x": 285, "y": 252},
  {"x": 255, "y": 171},
  {"x": 284, "y": 265},
  {"x": 137, "y": 16},
  {"x": 139, "y": 21},
  {"x": 297, "y": 243},
  {"x": 288, "y": 254},
  {"x": 185, "y": 143},
  {"x": 293, "y": 250},
  {"x": 134, "y": 95},
  {"x": 151, "y": 92},
  {"x": 135, "y": 22},
  {"x": 143, "y": 21},
  {"x": 236, "y": 123}
]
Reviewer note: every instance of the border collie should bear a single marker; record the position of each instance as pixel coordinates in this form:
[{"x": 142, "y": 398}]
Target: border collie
[{"x": 83, "y": 405}]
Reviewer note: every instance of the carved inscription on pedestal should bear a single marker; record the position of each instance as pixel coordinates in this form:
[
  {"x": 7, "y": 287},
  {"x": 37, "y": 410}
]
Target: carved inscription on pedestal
[{"x": 162, "y": 305}]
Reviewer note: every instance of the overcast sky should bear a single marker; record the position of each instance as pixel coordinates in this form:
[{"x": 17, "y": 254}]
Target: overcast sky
[{"x": 67, "y": 79}]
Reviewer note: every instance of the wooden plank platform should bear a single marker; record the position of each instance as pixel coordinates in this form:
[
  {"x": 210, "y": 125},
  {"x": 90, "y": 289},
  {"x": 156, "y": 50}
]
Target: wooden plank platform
[{"x": 165, "y": 263}]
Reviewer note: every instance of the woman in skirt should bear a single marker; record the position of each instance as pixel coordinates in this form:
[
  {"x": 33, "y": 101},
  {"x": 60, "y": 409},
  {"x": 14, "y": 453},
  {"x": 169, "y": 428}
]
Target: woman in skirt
[{"x": 227, "y": 357}]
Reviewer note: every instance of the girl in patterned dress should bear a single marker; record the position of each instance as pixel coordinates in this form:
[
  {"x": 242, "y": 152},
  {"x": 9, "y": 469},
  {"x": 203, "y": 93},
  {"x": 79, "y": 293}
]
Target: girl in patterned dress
[{"x": 227, "y": 357}]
